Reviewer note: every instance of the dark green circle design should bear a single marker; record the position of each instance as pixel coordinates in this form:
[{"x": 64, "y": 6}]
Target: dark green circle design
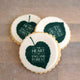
[
  {"x": 38, "y": 54},
  {"x": 24, "y": 28},
  {"x": 57, "y": 30}
]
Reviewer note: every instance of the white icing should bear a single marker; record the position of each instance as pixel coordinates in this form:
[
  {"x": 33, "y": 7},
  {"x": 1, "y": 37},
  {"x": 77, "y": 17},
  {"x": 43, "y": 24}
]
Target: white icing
[
  {"x": 41, "y": 25},
  {"x": 25, "y": 17},
  {"x": 39, "y": 37}
]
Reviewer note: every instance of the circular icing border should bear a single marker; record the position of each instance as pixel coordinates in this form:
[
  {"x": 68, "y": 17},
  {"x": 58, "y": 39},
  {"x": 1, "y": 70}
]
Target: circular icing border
[
  {"x": 58, "y": 55},
  {"x": 13, "y": 33},
  {"x": 41, "y": 25}
]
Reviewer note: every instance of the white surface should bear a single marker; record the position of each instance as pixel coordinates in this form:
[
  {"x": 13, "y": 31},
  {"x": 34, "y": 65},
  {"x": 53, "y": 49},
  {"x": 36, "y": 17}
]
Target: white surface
[
  {"x": 41, "y": 25},
  {"x": 25, "y": 17},
  {"x": 39, "y": 37}
]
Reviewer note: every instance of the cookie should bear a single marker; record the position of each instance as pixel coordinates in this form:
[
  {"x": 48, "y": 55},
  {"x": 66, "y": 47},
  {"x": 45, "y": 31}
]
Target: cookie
[
  {"x": 57, "y": 27},
  {"x": 39, "y": 52},
  {"x": 23, "y": 26}
]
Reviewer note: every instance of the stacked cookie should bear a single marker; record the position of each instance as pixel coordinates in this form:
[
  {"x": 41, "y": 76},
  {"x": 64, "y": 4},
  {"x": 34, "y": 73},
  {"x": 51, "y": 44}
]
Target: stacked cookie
[{"x": 40, "y": 41}]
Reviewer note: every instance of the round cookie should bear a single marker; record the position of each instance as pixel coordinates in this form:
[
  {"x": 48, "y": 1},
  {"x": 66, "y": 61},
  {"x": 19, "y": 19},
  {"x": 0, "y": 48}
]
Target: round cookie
[
  {"x": 22, "y": 26},
  {"x": 57, "y": 27},
  {"x": 39, "y": 52}
]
